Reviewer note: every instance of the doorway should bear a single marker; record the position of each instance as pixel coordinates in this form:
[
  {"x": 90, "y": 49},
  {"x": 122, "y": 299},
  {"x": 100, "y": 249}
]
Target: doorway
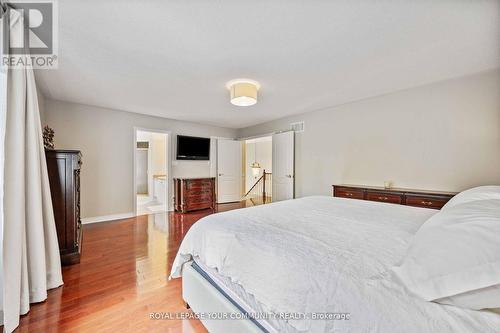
[
  {"x": 151, "y": 171},
  {"x": 269, "y": 168},
  {"x": 258, "y": 167}
]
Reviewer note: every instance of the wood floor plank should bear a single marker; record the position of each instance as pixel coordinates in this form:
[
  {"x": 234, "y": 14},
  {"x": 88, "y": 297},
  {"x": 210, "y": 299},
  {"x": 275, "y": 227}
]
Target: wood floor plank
[{"x": 121, "y": 279}]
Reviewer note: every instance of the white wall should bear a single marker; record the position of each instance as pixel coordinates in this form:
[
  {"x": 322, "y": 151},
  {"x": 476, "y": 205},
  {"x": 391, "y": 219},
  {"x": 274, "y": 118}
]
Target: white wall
[
  {"x": 158, "y": 158},
  {"x": 443, "y": 136},
  {"x": 106, "y": 139},
  {"x": 264, "y": 157}
]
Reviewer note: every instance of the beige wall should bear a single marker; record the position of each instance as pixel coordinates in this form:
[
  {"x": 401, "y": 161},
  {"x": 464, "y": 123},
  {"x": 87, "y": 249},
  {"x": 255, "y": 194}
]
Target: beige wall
[
  {"x": 106, "y": 139},
  {"x": 440, "y": 136},
  {"x": 158, "y": 149},
  {"x": 444, "y": 136}
]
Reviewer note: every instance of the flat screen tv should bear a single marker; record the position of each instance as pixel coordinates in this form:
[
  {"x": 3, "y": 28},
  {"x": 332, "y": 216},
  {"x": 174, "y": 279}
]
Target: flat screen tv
[{"x": 193, "y": 148}]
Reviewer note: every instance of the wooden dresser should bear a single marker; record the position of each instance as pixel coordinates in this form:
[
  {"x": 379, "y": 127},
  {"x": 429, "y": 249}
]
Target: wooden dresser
[
  {"x": 409, "y": 197},
  {"x": 194, "y": 194},
  {"x": 64, "y": 177}
]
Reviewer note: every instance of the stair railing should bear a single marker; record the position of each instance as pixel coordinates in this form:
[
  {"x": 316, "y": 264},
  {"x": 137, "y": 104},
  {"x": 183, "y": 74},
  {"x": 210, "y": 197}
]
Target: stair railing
[{"x": 261, "y": 188}]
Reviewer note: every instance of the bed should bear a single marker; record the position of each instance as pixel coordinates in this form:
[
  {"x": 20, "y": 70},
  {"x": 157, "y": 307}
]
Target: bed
[{"x": 290, "y": 264}]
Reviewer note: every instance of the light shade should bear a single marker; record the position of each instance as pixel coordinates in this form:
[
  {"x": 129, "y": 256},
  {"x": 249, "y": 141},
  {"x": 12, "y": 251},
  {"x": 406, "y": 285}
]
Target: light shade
[
  {"x": 243, "y": 92},
  {"x": 255, "y": 168}
]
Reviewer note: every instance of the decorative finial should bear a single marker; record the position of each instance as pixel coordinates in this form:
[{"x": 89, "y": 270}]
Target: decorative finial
[{"x": 48, "y": 137}]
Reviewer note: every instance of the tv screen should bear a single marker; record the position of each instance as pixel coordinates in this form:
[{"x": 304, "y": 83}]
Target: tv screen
[{"x": 193, "y": 148}]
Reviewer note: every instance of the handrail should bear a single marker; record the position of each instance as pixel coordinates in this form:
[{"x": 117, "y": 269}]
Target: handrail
[{"x": 257, "y": 182}]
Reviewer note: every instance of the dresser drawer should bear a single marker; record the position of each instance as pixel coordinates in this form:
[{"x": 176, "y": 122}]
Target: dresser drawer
[
  {"x": 384, "y": 197},
  {"x": 195, "y": 199},
  {"x": 200, "y": 192},
  {"x": 200, "y": 202},
  {"x": 199, "y": 184},
  {"x": 198, "y": 206},
  {"x": 346, "y": 192},
  {"x": 426, "y": 201}
]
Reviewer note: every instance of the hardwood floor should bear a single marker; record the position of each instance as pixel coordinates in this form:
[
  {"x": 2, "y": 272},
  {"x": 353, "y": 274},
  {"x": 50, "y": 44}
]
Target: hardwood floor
[{"x": 121, "y": 280}]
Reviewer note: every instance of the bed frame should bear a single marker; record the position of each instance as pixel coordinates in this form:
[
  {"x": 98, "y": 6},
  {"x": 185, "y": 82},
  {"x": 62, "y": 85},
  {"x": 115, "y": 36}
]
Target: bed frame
[{"x": 201, "y": 296}]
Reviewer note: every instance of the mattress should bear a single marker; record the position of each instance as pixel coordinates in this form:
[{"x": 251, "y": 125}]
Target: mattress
[
  {"x": 319, "y": 256},
  {"x": 237, "y": 295},
  {"x": 243, "y": 300}
]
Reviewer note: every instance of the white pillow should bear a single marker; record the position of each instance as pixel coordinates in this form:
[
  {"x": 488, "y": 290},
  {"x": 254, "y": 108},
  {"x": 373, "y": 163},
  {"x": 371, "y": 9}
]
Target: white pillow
[
  {"x": 486, "y": 298},
  {"x": 473, "y": 194},
  {"x": 455, "y": 255}
]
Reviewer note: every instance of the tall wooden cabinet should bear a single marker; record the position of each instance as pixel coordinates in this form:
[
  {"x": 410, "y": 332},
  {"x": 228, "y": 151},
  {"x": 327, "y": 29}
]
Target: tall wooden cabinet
[{"x": 64, "y": 177}]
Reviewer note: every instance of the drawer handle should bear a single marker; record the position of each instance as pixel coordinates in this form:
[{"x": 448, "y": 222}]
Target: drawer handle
[
  {"x": 427, "y": 203},
  {"x": 349, "y": 194},
  {"x": 383, "y": 198}
]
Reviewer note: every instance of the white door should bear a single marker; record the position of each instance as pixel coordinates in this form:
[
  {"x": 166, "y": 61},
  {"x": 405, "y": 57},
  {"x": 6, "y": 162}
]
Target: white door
[
  {"x": 228, "y": 171},
  {"x": 283, "y": 166}
]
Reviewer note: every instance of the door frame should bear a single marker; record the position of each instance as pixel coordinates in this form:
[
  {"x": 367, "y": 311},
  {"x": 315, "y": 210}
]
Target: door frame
[
  {"x": 244, "y": 140},
  {"x": 273, "y": 166},
  {"x": 168, "y": 156}
]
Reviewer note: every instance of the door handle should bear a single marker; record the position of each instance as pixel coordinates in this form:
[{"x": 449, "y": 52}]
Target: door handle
[
  {"x": 288, "y": 176},
  {"x": 220, "y": 174}
]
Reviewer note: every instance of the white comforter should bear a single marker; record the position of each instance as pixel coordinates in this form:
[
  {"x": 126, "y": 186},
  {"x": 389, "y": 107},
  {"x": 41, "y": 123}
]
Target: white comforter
[{"x": 324, "y": 255}]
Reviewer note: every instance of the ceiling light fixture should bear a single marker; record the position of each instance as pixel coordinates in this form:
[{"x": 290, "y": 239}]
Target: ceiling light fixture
[{"x": 243, "y": 92}]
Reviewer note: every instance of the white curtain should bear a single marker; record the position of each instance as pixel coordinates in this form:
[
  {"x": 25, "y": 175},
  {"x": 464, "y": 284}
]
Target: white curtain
[
  {"x": 31, "y": 263},
  {"x": 3, "y": 97}
]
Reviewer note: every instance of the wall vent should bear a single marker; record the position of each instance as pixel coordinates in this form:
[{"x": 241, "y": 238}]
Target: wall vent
[{"x": 297, "y": 127}]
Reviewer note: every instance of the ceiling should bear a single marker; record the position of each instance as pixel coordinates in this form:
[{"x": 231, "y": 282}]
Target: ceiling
[{"x": 173, "y": 58}]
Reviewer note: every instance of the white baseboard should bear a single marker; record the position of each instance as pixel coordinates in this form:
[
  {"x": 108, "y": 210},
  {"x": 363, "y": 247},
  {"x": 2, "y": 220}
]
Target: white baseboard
[{"x": 106, "y": 218}]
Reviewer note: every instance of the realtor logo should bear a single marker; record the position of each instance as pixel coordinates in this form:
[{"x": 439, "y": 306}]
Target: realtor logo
[{"x": 31, "y": 40}]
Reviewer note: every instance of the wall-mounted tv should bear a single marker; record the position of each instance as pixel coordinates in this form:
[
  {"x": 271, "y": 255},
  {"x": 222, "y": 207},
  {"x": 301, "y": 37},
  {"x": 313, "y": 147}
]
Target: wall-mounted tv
[{"x": 193, "y": 148}]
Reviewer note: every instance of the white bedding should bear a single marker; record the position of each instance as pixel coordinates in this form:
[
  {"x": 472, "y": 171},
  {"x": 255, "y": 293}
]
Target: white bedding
[
  {"x": 245, "y": 300},
  {"x": 324, "y": 255}
]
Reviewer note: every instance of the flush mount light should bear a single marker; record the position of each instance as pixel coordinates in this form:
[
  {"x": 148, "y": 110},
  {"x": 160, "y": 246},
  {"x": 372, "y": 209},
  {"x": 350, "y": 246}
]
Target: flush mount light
[{"x": 243, "y": 92}]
